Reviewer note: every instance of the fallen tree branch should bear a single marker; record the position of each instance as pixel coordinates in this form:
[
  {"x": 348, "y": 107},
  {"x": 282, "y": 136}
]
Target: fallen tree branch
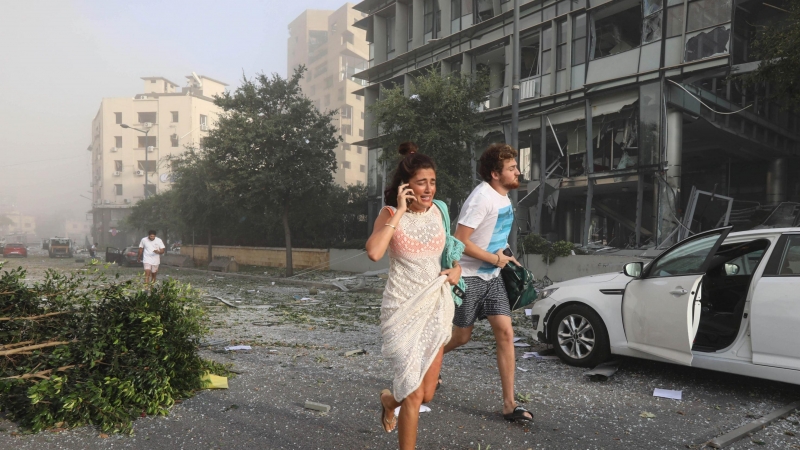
[
  {"x": 33, "y": 347},
  {"x": 4, "y": 319},
  {"x": 17, "y": 344},
  {"x": 44, "y": 374}
]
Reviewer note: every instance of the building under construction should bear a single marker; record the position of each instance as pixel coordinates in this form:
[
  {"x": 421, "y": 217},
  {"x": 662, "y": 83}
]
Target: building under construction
[{"x": 633, "y": 127}]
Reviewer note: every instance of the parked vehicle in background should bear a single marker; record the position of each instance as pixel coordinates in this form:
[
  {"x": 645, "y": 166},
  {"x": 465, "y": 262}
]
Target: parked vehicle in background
[
  {"x": 45, "y": 244},
  {"x": 718, "y": 301},
  {"x": 60, "y": 248},
  {"x": 16, "y": 249},
  {"x": 127, "y": 257},
  {"x": 131, "y": 255}
]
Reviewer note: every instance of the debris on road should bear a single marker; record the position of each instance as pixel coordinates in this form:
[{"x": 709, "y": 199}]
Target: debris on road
[
  {"x": 647, "y": 415},
  {"x": 221, "y": 300},
  {"x": 539, "y": 356},
  {"x": 355, "y": 352},
  {"x": 603, "y": 372},
  {"x": 666, "y": 393},
  {"x": 317, "y": 406},
  {"x": 211, "y": 381},
  {"x": 238, "y": 347}
]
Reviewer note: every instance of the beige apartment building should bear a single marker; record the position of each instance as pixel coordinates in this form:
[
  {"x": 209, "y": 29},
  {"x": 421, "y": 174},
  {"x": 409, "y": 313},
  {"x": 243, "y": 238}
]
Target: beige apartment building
[
  {"x": 129, "y": 163},
  {"x": 19, "y": 228},
  {"x": 333, "y": 51}
]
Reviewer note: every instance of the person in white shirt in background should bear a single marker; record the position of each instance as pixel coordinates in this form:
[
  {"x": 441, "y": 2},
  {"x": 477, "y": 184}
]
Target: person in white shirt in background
[{"x": 150, "y": 247}]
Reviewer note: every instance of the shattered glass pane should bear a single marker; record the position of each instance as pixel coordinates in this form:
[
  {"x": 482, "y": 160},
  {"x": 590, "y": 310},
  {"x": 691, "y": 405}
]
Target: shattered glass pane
[
  {"x": 651, "y": 28},
  {"x": 649, "y": 123},
  {"x": 707, "y": 44},
  {"x": 651, "y": 6}
]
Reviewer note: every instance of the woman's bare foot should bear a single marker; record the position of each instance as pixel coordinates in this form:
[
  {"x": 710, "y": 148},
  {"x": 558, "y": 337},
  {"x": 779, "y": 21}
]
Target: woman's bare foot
[{"x": 388, "y": 419}]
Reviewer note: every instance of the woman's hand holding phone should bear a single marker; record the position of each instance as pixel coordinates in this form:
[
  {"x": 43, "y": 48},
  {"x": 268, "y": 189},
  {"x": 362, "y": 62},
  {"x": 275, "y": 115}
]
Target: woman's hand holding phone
[{"x": 404, "y": 197}]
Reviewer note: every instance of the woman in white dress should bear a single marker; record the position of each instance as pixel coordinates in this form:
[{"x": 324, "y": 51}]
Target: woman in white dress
[{"x": 417, "y": 308}]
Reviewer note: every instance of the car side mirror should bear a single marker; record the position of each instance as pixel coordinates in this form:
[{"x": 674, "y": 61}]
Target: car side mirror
[
  {"x": 633, "y": 269},
  {"x": 731, "y": 269}
]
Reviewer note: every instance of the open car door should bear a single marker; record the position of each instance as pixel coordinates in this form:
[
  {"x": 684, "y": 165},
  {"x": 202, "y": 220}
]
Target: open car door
[{"x": 661, "y": 308}]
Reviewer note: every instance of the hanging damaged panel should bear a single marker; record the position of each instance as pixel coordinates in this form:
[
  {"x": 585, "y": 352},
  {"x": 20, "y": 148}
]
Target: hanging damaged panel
[{"x": 708, "y": 43}]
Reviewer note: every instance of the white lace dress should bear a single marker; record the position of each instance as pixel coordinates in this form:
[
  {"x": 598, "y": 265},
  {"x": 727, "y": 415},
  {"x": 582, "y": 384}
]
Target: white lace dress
[{"x": 417, "y": 309}]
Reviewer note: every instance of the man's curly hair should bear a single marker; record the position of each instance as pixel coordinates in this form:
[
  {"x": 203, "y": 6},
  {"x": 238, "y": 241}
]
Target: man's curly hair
[{"x": 493, "y": 159}]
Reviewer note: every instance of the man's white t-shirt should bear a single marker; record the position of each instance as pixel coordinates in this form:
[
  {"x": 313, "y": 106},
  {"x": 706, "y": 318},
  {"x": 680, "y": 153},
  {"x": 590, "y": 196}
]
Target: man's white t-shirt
[
  {"x": 490, "y": 214},
  {"x": 148, "y": 254}
]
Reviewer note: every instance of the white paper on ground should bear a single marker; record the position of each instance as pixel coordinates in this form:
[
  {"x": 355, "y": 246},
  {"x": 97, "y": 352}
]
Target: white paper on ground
[
  {"x": 521, "y": 369},
  {"x": 666, "y": 393},
  {"x": 422, "y": 409},
  {"x": 528, "y": 355},
  {"x": 521, "y": 344},
  {"x": 517, "y": 339},
  {"x": 528, "y": 312},
  {"x": 238, "y": 347}
]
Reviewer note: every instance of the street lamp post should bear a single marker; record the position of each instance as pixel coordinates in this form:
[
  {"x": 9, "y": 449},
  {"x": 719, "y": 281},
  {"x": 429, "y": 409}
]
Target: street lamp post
[{"x": 146, "y": 132}]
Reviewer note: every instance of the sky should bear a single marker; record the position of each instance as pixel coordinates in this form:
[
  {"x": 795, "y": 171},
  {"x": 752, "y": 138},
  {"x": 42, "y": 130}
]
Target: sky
[{"x": 60, "y": 58}]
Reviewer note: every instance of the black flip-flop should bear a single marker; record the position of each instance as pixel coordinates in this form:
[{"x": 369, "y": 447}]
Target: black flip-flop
[{"x": 518, "y": 415}]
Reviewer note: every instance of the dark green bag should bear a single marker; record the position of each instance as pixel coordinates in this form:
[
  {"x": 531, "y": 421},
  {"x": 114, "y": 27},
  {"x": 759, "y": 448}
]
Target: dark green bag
[{"x": 519, "y": 285}]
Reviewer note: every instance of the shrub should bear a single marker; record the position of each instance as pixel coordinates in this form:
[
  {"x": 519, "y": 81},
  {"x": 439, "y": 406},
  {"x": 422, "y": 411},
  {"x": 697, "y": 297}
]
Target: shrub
[
  {"x": 109, "y": 351},
  {"x": 537, "y": 245}
]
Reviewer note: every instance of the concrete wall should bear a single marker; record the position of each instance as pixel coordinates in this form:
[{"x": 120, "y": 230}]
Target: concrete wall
[
  {"x": 356, "y": 261},
  {"x": 302, "y": 258},
  {"x": 569, "y": 267}
]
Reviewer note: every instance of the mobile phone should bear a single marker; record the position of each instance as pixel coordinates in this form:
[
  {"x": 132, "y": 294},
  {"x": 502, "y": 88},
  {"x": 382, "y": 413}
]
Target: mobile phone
[
  {"x": 408, "y": 200},
  {"x": 459, "y": 292},
  {"x": 508, "y": 252}
]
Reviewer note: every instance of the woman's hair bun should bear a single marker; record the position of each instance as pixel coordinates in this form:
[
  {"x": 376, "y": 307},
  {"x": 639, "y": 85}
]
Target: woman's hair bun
[{"x": 407, "y": 148}]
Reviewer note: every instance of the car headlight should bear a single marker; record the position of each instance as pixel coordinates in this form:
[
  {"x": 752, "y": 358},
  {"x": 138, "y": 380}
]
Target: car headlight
[{"x": 546, "y": 293}]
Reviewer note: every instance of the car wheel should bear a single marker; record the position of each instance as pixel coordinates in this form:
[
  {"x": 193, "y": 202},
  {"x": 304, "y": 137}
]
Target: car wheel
[{"x": 579, "y": 336}]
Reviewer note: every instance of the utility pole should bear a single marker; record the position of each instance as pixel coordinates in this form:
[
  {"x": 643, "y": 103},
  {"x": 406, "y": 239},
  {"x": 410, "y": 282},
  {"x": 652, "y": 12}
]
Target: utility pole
[{"x": 515, "y": 63}]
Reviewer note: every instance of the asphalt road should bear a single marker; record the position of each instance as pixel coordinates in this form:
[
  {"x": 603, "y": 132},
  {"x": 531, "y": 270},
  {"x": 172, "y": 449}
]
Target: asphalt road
[{"x": 297, "y": 355}]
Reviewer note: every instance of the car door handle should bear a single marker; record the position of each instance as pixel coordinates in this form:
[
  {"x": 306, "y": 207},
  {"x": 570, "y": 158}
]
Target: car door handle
[{"x": 679, "y": 292}]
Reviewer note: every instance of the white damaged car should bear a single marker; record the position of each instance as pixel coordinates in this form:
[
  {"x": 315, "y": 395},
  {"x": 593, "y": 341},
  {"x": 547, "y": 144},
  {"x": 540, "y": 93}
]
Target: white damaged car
[{"x": 718, "y": 300}]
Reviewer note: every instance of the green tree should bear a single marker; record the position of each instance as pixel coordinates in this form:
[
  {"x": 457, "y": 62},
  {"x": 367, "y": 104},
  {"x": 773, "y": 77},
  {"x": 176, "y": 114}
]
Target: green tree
[
  {"x": 778, "y": 47},
  {"x": 441, "y": 117},
  {"x": 158, "y": 212},
  {"x": 272, "y": 147}
]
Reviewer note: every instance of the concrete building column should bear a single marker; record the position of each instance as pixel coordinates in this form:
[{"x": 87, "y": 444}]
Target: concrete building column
[
  {"x": 776, "y": 181},
  {"x": 401, "y": 28},
  {"x": 444, "y": 10},
  {"x": 669, "y": 202},
  {"x": 419, "y": 17},
  {"x": 379, "y": 39}
]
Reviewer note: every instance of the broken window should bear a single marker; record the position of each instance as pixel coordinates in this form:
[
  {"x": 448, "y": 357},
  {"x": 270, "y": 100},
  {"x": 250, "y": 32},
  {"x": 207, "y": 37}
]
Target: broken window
[
  {"x": 707, "y": 13},
  {"x": 316, "y": 39},
  {"x": 525, "y": 163},
  {"x": 432, "y": 20},
  {"x": 346, "y": 165},
  {"x": 347, "y": 130},
  {"x": 749, "y": 17},
  {"x": 651, "y": 25},
  {"x": 174, "y": 116},
  {"x": 346, "y": 111},
  {"x": 348, "y": 38},
  {"x": 118, "y": 117},
  {"x": 118, "y": 141},
  {"x": 547, "y": 45},
  {"x": 485, "y": 10},
  {"x": 117, "y": 189},
  {"x": 529, "y": 56},
  {"x": 174, "y": 140},
  {"x": 561, "y": 45},
  {"x": 362, "y": 168},
  {"x": 148, "y": 165},
  {"x": 149, "y": 190},
  {"x": 147, "y": 117},
  {"x": 579, "y": 39},
  {"x": 707, "y": 44},
  {"x": 346, "y": 146},
  {"x": 390, "y": 21},
  {"x": 146, "y": 141},
  {"x": 410, "y": 21},
  {"x": 649, "y": 123},
  {"x": 118, "y": 166},
  {"x": 616, "y": 29}
]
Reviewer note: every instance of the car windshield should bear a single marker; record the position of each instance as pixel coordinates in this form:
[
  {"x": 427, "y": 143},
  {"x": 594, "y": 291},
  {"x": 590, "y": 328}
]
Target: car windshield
[{"x": 59, "y": 241}]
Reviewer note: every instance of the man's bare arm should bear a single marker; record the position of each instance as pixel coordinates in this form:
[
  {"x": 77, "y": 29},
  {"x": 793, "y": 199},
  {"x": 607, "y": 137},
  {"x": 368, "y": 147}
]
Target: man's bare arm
[{"x": 463, "y": 233}]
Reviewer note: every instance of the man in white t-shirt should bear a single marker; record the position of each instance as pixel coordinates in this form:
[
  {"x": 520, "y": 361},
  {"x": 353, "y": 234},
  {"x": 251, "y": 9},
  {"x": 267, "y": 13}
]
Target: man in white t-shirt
[
  {"x": 484, "y": 224},
  {"x": 150, "y": 247}
]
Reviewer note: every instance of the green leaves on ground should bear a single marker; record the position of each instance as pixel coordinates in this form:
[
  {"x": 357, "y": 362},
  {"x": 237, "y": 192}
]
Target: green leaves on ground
[{"x": 125, "y": 352}]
